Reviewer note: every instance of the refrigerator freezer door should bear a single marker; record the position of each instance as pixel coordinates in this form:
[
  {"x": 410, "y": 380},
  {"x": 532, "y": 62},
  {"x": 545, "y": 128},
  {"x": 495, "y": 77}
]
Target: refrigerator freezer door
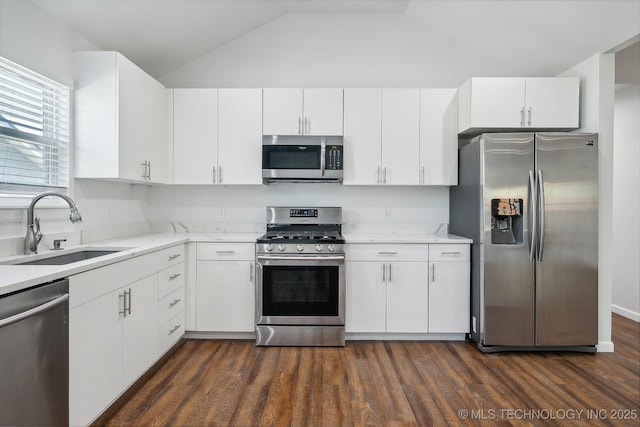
[
  {"x": 508, "y": 283},
  {"x": 567, "y": 271}
]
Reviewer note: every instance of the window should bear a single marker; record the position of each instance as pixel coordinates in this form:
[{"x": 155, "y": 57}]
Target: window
[{"x": 34, "y": 132}]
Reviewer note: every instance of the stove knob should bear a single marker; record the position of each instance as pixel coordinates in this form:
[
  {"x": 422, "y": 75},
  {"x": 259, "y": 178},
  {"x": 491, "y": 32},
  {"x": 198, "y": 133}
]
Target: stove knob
[
  {"x": 331, "y": 248},
  {"x": 300, "y": 247},
  {"x": 281, "y": 247},
  {"x": 269, "y": 247},
  {"x": 319, "y": 247}
]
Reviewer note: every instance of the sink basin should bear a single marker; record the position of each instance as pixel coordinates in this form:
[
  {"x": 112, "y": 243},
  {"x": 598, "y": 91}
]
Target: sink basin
[{"x": 68, "y": 258}]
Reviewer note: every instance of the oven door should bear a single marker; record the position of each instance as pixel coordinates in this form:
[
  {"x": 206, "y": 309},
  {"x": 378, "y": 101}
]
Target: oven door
[{"x": 300, "y": 290}]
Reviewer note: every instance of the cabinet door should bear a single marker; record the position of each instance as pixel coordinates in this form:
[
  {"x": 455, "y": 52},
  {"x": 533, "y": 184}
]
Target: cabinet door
[
  {"x": 240, "y": 136},
  {"x": 366, "y": 297},
  {"x": 225, "y": 296},
  {"x": 95, "y": 357},
  {"x": 438, "y": 137},
  {"x": 400, "y": 136},
  {"x": 449, "y": 298},
  {"x": 497, "y": 102},
  {"x": 282, "y": 112},
  {"x": 140, "y": 328},
  {"x": 323, "y": 111},
  {"x": 407, "y": 297},
  {"x": 141, "y": 117},
  {"x": 552, "y": 102},
  {"x": 195, "y": 136},
  {"x": 362, "y": 136}
]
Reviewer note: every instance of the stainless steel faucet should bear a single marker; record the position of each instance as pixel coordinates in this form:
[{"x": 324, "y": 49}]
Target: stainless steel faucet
[{"x": 34, "y": 235}]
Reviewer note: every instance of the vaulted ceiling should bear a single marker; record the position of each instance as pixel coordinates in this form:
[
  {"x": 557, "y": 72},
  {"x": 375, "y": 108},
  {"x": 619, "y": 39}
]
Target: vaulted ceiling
[{"x": 162, "y": 35}]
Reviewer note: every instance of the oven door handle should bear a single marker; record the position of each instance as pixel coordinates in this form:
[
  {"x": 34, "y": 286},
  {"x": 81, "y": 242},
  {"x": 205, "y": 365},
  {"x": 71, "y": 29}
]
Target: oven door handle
[{"x": 299, "y": 258}]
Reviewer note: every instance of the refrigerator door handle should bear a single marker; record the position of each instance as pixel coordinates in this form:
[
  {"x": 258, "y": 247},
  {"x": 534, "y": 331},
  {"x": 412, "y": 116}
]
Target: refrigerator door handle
[
  {"x": 541, "y": 209},
  {"x": 533, "y": 215}
]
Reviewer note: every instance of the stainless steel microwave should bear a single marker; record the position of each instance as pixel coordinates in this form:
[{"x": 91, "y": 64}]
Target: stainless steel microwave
[{"x": 302, "y": 158}]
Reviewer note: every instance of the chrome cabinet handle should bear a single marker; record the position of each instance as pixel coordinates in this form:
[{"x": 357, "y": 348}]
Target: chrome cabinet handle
[
  {"x": 451, "y": 253},
  {"x": 384, "y": 272},
  {"x": 250, "y": 272},
  {"x": 213, "y": 175},
  {"x": 175, "y": 276},
  {"x": 522, "y": 117},
  {"x": 219, "y": 174},
  {"x": 33, "y": 311},
  {"x": 387, "y": 253},
  {"x": 533, "y": 216},
  {"x": 172, "y": 257},
  {"x": 174, "y": 302},
  {"x": 541, "y": 208},
  {"x": 175, "y": 328},
  {"x": 378, "y": 174},
  {"x": 433, "y": 273},
  {"x": 149, "y": 170},
  {"x": 384, "y": 175},
  {"x": 422, "y": 175},
  {"x": 129, "y": 308},
  {"x": 307, "y": 125},
  {"x": 529, "y": 117},
  {"x": 389, "y": 274},
  {"x": 226, "y": 252},
  {"x": 299, "y": 125}
]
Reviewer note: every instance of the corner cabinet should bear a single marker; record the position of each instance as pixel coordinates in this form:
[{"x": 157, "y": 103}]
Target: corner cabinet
[
  {"x": 119, "y": 120},
  {"x": 517, "y": 103},
  {"x": 294, "y": 111},
  {"x": 114, "y": 314},
  {"x": 217, "y": 136}
]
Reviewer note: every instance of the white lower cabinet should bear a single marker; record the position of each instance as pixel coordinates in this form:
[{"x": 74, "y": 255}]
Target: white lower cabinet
[
  {"x": 225, "y": 287},
  {"x": 449, "y": 288},
  {"x": 114, "y": 316},
  {"x": 393, "y": 288}
]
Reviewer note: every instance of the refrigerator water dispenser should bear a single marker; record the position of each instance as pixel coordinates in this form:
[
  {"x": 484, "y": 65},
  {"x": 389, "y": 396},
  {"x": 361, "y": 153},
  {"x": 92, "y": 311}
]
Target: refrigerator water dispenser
[{"x": 506, "y": 221}]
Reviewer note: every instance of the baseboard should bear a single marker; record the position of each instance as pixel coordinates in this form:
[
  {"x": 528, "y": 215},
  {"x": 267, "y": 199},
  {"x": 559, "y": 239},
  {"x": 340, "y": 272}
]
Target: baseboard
[
  {"x": 625, "y": 313},
  {"x": 605, "y": 347}
]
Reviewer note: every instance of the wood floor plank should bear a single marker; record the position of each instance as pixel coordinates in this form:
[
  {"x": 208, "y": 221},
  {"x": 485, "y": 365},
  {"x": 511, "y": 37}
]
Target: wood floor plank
[{"x": 400, "y": 383}]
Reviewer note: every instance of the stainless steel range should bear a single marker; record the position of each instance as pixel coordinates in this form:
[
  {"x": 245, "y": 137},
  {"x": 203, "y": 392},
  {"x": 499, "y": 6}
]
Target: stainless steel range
[{"x": 300, "y": 286}]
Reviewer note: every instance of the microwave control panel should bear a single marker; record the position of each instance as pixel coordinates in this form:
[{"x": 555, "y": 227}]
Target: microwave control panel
[{"x": 333, "y": 160}]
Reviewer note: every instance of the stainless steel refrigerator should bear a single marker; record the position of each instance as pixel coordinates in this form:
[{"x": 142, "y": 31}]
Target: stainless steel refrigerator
[{"x": 529, "y": 201}]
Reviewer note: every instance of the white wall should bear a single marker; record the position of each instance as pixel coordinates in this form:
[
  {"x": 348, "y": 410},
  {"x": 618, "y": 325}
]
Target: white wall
[
  {"x": 33, "y": 39},
  {"x": 626, "y": 202},
  {"x": 596, "y": 115}
]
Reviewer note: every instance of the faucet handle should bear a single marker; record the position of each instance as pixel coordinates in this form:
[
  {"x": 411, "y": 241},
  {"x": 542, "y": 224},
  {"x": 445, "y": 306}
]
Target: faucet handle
[
  {"x": 57, "y": 244},
  {"x": 36, "y": 230}
]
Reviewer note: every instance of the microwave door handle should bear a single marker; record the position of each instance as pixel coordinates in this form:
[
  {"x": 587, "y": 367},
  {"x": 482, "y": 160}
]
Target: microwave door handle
[{"x": 323, "y": 150}]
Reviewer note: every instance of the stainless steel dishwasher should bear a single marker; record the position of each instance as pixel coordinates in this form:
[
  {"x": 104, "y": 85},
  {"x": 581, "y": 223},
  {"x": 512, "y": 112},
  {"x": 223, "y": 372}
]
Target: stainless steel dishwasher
[{"x": 34, "y": 355}]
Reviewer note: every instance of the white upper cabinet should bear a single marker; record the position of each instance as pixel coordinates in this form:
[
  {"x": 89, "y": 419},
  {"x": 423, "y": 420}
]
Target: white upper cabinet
[
  {"x": 195, "y": 136},
  {"x": 400, "y": 136},
  {"x": 239, "y": 136},
  {"x": 302, "y": 111},
  {"x": 119, "y": 116},
  {"x": 438, "y": 136},
  {"x": 362, "y": 136},
  {"x": 515, "y": 103},
  {"x": 217, "y": 136},
  {"x": 382, "y": 136}
]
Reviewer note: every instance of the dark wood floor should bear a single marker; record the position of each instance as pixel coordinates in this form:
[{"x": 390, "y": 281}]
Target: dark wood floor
[{"x": 400, "y": 383}]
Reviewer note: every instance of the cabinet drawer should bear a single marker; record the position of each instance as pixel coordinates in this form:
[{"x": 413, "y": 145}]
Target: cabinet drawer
[
  {"x": 226, "y": 251},
  {"x": 170, "y": 305},
  {"x": 170, "y": 332},
  {"x": 387, "y": 252},
  {"x": 91, "y": 284},
  {"x": 448, "y": 252},
  {"x": 170, "y": 256},
  {"x": 170, "y": 279}
]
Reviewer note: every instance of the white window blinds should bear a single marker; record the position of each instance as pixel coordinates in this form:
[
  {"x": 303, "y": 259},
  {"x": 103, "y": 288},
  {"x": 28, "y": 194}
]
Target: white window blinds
[{"x": 34, "y": 132}]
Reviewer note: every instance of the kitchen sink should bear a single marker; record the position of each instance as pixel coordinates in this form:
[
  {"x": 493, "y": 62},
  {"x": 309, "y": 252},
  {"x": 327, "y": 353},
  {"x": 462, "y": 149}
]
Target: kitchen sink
[{"x": 66, "y": 258}]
